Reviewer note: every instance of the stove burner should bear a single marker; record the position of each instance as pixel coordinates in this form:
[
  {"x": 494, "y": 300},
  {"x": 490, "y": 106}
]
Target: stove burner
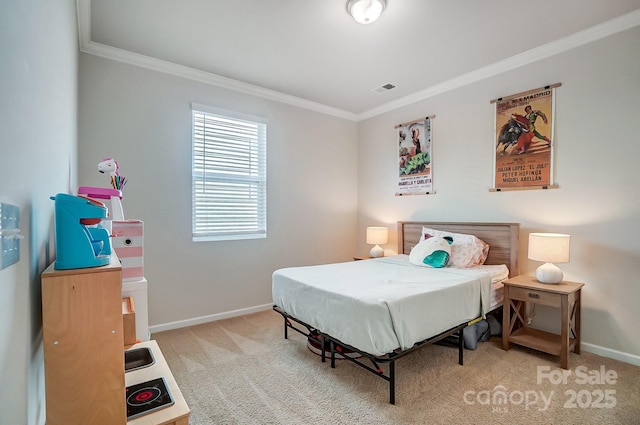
[
  {"x": 147, "y": 397},
  {"x": 143, "y": 396}
]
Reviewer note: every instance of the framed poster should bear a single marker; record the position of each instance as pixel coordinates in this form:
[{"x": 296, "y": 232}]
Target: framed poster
[
  {"x": 524, "y": 127},
  {"x": 414, "y": 157}
]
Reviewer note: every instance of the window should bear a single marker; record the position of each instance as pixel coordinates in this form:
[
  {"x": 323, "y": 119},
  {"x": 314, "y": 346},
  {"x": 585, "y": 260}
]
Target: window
[{"x": 229, "y": 177}]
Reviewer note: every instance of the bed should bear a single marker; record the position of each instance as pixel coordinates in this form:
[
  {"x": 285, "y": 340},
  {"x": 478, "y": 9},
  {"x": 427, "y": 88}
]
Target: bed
[{"x": 385, "y": 308}]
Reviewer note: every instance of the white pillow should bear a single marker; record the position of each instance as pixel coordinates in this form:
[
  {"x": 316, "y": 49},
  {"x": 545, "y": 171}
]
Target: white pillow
[
  {"x": 424, "y": 248},
  {"x": 466, "y": 250}
]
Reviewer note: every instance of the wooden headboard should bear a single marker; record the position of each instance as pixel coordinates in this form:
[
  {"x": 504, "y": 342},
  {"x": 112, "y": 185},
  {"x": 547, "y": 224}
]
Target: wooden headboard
[{"x": 503, "y": 239}]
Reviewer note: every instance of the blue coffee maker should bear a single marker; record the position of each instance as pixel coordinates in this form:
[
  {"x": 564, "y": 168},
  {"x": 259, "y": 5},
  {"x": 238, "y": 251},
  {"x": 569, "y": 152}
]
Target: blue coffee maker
[{"x": 79, "y": 242}]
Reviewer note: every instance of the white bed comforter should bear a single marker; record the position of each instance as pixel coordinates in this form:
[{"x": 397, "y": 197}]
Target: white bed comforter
[{"x": 382, "y": 304}]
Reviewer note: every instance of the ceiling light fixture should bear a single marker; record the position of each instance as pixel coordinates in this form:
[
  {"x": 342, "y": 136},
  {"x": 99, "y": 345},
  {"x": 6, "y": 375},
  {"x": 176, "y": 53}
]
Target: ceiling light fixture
[{"x": 365, "y": 11}]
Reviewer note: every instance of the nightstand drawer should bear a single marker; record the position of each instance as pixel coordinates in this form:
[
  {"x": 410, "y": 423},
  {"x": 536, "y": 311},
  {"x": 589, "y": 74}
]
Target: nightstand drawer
[{"x": 535, "y": 296}]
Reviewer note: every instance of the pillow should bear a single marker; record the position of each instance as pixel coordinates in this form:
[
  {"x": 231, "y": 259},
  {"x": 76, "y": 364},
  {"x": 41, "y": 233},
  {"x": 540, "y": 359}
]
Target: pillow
[
  {"x": 466, "y": 250},
  {"x": 433, "y": 252}
]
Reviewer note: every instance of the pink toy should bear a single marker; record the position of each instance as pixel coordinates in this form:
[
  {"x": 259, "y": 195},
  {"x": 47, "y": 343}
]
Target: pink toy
[
  {"x": 110, "y": 165},
  {"x": 98, "y": 192}
]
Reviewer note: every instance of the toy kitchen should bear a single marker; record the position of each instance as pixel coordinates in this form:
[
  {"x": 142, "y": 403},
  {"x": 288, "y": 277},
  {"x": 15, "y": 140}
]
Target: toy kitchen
[{"x": 100, "y": 365}]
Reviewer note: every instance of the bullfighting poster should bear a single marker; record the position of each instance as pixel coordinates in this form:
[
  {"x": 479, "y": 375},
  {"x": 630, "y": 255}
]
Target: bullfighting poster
[
  {"x": 414, "y": 157},
  {"x": 524, "y": 140}
]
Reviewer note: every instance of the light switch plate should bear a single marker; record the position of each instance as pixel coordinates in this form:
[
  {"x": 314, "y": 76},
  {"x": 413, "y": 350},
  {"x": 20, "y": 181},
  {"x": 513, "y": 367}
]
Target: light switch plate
[{"x": 9, "y": 234}]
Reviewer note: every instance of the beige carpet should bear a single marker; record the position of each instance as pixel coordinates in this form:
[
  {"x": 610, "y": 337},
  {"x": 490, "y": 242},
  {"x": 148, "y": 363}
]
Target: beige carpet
[{"x": 242, "y": 371}]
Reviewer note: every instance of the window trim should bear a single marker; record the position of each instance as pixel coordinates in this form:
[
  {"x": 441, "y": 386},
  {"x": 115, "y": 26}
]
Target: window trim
[{"x": 261, "y": 179}]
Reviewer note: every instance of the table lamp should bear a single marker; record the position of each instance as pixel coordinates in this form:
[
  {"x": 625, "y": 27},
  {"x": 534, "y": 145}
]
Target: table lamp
[
  {"x": 377, "y": 236},
  {"x": 550, "y": 248}
]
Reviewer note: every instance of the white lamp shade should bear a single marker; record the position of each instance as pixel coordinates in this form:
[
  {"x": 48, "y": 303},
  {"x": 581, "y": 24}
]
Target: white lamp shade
[
  {"x": 377, "y": 235},
  {"x": 550, "y": 248},
  {"x": 365, "y": 11}
]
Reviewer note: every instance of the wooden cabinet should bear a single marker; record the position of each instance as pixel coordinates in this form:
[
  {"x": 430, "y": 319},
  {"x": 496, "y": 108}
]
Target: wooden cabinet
[
  {"x": 566, "y": 296},
  {"x": 83, "y": 345}
]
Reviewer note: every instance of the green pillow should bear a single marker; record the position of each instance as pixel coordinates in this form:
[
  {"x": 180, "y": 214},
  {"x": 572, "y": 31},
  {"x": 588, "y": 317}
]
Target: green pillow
[{"x": 437, "y": 259}]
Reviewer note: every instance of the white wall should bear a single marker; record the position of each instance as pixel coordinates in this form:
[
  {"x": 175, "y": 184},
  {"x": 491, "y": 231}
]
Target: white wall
[
  {"x": 38, "y": 105},
  {"x": 596, "y": 167},
  {"x": 143, "y": 119}
]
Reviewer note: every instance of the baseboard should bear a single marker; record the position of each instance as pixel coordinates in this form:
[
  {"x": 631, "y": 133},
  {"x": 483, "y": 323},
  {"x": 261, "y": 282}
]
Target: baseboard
[
  {"x": 611, "y": 353},
  {"x": 591, "y": 348},
  {"x": 210, "y": 318}
]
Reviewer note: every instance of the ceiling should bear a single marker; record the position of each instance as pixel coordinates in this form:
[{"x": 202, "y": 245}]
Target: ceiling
[{"x": 312, "y": 53}]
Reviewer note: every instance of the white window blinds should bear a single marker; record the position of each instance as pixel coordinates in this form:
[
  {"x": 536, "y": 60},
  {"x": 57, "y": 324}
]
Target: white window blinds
[{"x": 229, "y": 177}]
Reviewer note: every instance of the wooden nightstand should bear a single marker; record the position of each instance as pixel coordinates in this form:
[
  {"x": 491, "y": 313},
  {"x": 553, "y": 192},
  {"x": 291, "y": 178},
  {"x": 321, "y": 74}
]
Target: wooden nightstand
[
  {"x": 565, "y": 295},
  {"x": 361, "y": 258}
]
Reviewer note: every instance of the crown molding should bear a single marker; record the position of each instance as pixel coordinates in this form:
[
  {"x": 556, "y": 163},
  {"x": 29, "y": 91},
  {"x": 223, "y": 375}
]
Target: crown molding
[
  {"x": 125, "y": 56},
  {"x": 597, "y": 32},
  {"x": 166, "y": 67},
  {"x": 83, "y": 12}
]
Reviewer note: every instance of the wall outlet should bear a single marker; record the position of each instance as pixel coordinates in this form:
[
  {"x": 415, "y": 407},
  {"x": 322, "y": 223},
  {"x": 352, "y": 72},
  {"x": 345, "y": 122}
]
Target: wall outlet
[{"x": 9, "y": 234}]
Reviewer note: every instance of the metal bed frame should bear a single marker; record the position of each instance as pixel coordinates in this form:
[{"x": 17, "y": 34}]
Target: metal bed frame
[{"x": 337, "y": 346}]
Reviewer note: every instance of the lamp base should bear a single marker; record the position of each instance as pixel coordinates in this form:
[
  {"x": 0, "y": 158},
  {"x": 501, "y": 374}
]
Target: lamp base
[
  {"x": 376, "y": 252},
  {"x": 549, "y": 273}
]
